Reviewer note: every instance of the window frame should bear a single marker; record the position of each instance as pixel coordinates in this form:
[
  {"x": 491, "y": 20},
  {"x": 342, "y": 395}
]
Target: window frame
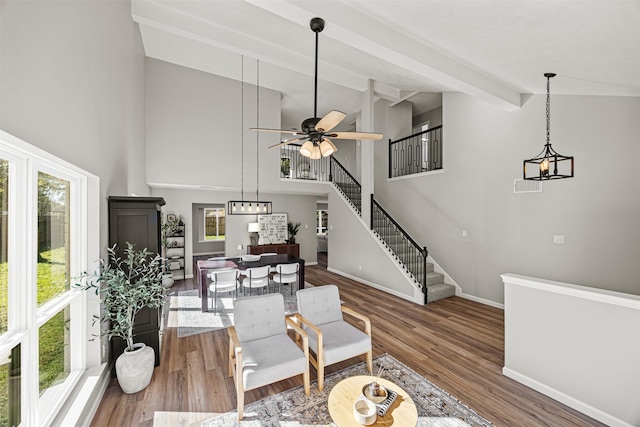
[
  {"x": 25, "y": 163},
  {"x": 204, "y": 224}
]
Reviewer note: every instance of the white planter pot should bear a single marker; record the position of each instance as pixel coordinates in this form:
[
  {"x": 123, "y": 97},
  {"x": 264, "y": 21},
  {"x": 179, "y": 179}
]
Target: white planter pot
[
  {"x": 167, "y": 280},
  {"x": 135, "y": 368}
]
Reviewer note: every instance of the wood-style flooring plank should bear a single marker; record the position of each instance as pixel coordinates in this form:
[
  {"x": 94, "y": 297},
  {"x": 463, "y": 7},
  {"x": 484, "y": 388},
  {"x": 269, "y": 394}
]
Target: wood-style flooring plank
[{"x": 456, "y": 343}]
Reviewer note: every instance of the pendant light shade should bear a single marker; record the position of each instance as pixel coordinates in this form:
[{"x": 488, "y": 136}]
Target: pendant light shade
[
  {"x": 327, "y": 148},
  {"x": 548, "y": 164},
  {"x": 306, "y": 149}
]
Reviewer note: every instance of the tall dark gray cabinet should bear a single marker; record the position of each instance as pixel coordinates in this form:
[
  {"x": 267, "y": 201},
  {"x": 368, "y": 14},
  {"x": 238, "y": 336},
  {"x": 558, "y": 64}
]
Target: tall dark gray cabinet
[{"x": 137, "y": 220}]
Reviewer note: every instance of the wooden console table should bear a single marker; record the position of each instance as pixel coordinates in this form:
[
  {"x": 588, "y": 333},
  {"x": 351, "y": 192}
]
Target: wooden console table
[{"x": 279, "y": 248}]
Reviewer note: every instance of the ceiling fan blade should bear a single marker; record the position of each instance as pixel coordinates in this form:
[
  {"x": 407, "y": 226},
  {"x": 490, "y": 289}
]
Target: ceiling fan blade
[
  {"x": 293, "y": 132},
  {"x": 288, "y": 142},
  {"x": 356, "y": 135},
  {"x": 330, "y": 120}
]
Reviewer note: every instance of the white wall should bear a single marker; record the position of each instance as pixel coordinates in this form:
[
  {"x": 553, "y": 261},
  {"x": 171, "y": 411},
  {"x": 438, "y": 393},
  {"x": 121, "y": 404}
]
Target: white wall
[
  {"x": 72, "y": 84},
  {"x": 193, "y": 125},
  {"x": 355, "y": 252},
  {"x": 578, "y": 345},
  {"x": 598, "y": 211},
  {"x": 299, "y": 209}
]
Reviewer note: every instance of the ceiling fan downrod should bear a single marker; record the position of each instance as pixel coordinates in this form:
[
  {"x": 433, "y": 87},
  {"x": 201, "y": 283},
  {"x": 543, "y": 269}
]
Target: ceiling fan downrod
[{"x": 317, "y": 25}]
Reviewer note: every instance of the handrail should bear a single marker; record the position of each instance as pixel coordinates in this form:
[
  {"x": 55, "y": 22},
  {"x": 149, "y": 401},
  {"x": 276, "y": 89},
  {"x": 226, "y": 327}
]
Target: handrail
[
  {"x": 344, "y": 170},
  {"x": 398, "y": 226},
  {"x": 414, "y": 257},
  {"x": 416, "y": 134}
]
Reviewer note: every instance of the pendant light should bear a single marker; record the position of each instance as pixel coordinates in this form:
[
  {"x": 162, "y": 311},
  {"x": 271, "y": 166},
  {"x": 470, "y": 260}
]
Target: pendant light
[
  {"x": 549, "y": 164},
  {"x": 249, "y": 207}
]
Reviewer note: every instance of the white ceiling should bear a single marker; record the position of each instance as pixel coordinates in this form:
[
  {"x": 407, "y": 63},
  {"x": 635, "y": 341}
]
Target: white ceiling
[{"x": 495, "y": 50}]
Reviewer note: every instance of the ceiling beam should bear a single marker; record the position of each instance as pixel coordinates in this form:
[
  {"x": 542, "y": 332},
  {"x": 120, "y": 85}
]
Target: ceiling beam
[{"x": 373, "y": 37}]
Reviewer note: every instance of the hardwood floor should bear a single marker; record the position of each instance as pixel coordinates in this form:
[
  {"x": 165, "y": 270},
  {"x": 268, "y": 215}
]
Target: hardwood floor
[{"x": 455, "y": 343}]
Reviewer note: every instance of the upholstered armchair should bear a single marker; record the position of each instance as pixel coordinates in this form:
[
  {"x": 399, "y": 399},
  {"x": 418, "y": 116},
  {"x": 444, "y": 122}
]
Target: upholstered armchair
[
  {"x": 331, "y": 338},
  {"x": 260, "y": 350}
]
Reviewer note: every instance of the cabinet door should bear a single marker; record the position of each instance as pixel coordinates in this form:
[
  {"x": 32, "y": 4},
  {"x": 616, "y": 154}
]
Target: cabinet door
[{"x": 136, "y": 226}]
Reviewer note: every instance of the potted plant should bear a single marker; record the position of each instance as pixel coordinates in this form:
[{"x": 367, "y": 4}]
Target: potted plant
[
  {"x": 126, "y": 285},
  {"x": 293, "y": 230}
]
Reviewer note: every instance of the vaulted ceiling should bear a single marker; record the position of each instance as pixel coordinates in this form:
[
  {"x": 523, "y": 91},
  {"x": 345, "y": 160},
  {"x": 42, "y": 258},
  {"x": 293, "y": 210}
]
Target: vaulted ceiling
[{"x": 497, "y": 51}]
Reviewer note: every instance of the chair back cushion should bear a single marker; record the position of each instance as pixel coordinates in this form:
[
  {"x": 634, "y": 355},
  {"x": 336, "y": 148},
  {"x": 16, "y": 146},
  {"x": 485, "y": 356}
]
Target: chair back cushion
[
  {"x": 287, "y": 268},
  {"x": 320, "y": 304},
  {"x": 224, "y": 277},
  {"x": 257, "y": 272},
  {"x": 259, "y": 317}
]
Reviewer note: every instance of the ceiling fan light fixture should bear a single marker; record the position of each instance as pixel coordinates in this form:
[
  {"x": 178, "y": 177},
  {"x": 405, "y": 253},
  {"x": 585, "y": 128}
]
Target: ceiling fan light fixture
[
  {"x": 315, "y": 152},
  {"x": 306, "y": 149},
  {"x": 327, "y": 147}
]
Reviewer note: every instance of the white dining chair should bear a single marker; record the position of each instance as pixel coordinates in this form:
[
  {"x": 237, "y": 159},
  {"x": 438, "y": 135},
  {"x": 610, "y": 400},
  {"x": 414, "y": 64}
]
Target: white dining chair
[
  {"x": 256, "y": 278},
  {"x": 286, "y": 274},
  {"x": 223, "y": 281}
]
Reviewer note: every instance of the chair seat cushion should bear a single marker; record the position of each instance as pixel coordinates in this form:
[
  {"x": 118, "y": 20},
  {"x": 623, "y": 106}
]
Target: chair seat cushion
[
  {"x": 341, "y": 341},
  {"x": 271, "y": 359},
  {"x": 285, "y": 278}
]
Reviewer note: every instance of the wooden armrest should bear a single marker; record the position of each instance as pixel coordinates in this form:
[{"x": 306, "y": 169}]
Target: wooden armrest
[
  {"x": 365, "y": 319},
  {"x": 233, "y": 339},
  {"x": 305, "y": 338},
  {"x": 308, "y": 323}
]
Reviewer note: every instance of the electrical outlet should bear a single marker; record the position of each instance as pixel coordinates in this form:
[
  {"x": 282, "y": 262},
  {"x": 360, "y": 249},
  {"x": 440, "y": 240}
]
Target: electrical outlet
[
  {"x": 464, "y": 233},
  {"x": 360, "y": 267},
  {"x": 558, "y": 239}
]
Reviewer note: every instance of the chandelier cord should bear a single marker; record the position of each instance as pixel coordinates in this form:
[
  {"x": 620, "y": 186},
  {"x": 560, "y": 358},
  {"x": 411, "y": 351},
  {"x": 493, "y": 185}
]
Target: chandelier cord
[{"x": 548, "y": 109}]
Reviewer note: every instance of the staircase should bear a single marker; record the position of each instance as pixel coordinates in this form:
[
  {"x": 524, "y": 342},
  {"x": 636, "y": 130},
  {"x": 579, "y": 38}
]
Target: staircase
[{"x": 408, "y": 254}]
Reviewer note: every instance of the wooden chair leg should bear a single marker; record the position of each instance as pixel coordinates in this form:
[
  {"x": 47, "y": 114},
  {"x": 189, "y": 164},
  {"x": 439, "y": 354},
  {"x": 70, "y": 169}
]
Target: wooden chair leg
[
  {"x": 370, "y": 361},
  {"x": 320, "y": 375},
  {"x": 240, "y": 394}
]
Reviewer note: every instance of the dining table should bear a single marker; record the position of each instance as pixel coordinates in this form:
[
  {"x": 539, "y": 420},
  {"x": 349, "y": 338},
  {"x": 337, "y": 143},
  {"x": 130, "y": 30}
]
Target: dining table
[{"x": 207, "y": 266}]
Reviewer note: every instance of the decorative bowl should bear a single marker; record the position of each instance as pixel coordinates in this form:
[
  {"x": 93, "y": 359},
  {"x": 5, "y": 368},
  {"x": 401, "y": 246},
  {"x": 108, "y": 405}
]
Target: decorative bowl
[
  {"x": 376, "y": 394},
  {"x": 364, "y": 411},
  {"x": 249, "y": 258}
]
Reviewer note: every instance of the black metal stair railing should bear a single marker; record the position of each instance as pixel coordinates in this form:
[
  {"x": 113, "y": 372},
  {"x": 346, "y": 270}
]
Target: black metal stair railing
[
  {"x": 407, "y": 250},
  {"x": 346, "y": 183},
  {"x": 420, "y": 152}
]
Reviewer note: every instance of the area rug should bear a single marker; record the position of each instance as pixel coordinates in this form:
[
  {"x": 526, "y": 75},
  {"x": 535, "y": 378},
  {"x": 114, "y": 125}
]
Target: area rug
[
  {"x": 436, "y": 407},
  {"x": 185, "y": 311}
]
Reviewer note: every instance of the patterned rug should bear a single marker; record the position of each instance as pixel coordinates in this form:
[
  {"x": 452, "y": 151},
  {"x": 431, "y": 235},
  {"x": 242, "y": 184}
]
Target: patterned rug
[
  {"x": 290, "y": 408},
  {"x": 185, "y": 311}
]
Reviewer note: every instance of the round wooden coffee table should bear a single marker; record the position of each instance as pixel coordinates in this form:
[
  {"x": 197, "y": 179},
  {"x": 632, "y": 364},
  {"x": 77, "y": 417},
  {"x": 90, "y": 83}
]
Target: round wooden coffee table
[{"x": 402, "y": 413}]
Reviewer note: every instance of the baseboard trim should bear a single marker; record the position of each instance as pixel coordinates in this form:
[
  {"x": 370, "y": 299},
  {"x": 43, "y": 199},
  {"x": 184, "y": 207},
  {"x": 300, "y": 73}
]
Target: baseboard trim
[
  {"x": 481, "y": 300},
  {"x": 561, "y": 397},
  {"x": 377, "y": 286}
]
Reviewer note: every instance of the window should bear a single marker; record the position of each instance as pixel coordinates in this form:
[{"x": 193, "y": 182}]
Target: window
[
  {"x": 322, "y": 218},
  {"x": 43, "y": 246},
  {"x": 214, "y": 224}
]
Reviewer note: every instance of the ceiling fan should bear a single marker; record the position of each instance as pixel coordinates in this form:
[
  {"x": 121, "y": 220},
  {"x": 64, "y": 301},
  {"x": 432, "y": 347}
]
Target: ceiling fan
[{"x": 317, "y": 131}]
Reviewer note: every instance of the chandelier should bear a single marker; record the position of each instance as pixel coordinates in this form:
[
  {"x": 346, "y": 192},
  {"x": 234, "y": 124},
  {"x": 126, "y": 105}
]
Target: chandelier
[
  {"x": 249, "y": 207},
  {"x": 548, "y": 164}
]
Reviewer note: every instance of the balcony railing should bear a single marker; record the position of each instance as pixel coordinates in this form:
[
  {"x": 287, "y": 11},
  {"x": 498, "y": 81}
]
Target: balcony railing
[
  {"x": 421, "y": 152},
  {"x": 294, "y": 165}
]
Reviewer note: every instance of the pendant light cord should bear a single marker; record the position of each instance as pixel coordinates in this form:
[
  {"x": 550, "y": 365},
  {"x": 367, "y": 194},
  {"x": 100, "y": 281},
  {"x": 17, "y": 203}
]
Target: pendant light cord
[{"x": 242, "y": 129}]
